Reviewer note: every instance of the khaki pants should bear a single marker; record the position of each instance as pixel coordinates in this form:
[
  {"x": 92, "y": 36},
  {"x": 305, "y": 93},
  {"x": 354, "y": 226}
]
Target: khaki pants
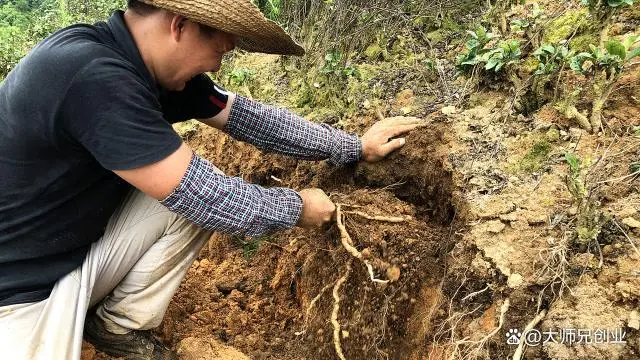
[{"x": 132, "y": 272}]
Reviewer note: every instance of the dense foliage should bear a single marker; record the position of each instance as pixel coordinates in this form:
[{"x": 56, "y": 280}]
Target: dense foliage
[{"x": 23, "y": 23}]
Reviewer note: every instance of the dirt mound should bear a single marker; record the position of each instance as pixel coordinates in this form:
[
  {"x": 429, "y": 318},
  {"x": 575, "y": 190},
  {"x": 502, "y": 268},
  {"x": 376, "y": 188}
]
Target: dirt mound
[{"x": 276, "y": 301}]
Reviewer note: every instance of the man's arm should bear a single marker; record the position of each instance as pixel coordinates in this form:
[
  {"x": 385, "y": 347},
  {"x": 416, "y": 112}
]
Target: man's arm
[
  {"x": 191, "y": 187},
  {"x": 274, "y": 129},
  {"x": 278, "y": 130}
]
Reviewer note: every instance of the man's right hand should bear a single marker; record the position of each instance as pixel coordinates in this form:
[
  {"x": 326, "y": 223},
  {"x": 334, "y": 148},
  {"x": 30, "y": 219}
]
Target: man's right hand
[{"x": 317, "y": 209}]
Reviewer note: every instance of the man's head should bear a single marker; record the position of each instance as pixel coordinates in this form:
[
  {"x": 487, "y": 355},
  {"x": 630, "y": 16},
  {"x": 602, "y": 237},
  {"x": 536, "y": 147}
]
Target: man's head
[{"x": 175, "y": 48}]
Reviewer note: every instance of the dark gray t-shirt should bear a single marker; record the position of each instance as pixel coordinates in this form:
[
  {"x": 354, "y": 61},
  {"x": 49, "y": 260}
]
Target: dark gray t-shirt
[{"x": 81, "y": 104}]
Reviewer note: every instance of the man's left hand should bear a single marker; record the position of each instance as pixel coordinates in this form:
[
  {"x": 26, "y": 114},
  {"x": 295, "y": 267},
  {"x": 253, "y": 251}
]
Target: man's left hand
[{"x": 379, "y": 141}]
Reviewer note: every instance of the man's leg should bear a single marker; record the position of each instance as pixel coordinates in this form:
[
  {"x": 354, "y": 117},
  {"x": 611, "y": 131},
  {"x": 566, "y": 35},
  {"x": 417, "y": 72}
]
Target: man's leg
[
  {"x": 143, "y": 256},
  {"x": 165, "y": 245}
]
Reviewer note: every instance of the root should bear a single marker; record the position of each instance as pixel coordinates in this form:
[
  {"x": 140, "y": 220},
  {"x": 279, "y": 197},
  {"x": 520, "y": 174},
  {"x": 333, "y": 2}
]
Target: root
[
  {"x": 466, "y": 349},
  {"x": 520, "y": 350},
  {"x": 393, "y": 272},
  {"x": 311, "y": 305},
  {"x": 336, "y": 309},
  {"x": 573, "y": 114},
  {"x": 391, "y": 219}
]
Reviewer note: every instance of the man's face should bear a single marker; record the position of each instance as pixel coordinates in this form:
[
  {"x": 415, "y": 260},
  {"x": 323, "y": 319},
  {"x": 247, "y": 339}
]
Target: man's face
[{"x": 198, "y": 49}]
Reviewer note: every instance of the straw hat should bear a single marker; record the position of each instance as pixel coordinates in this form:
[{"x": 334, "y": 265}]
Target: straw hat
[{"x": 239, "y": 17}]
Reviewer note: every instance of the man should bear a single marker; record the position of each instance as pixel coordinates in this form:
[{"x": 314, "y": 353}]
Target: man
[{"x": 102, "y": 206}]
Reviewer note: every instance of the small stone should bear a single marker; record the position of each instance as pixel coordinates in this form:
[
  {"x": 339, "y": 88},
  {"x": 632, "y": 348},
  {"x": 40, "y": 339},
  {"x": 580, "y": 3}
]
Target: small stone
[
  {"x": 631, "y": 222},
  {"x": 345, "y": 334},
  {"x": 393, "y": 273},
  {"x": 634, "y": 320},
  {"x": 495, "y": 226},
  {"x": 204, "y": 263},
  {"x": 627, "y": 212},
  {"x": 449, "y": 110},
  {"x": 515, "y": 280},
  {"x": 406, "y": 110}
]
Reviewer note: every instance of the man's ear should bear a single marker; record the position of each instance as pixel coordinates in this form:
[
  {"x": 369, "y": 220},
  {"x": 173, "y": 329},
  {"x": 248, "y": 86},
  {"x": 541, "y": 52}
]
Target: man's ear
[{"x": 177, "y": 26}]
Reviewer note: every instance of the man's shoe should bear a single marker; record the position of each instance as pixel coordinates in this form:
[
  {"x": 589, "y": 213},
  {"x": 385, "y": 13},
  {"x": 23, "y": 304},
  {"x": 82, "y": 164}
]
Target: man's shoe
[{"x": 136, "y": 345}]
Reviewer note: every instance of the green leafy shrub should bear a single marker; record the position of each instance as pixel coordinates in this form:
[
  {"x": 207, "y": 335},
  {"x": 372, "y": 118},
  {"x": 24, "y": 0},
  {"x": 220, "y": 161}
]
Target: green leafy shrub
[
  {"x": 476, "y": 47},
  {"x": 550, "y": 59},
  {"x": 604, "y": 67},
  {"x": 603, "y": 9},
  {"x": 507, "y": 53},
  {"x": 481, "y": 50},
  {"x": 240, "y": 77}
]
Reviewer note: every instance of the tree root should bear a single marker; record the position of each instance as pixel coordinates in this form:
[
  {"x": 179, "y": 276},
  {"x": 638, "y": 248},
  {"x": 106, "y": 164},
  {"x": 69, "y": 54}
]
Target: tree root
[
  {"x": 520, "y": 350},
  {"x": 308, "y": 312},
  {"x": 573, "y": 114},
  {"x": 391, "y": 219},
  {"x": 336, "y": 309},
  {"x": 393, "y": 272}
]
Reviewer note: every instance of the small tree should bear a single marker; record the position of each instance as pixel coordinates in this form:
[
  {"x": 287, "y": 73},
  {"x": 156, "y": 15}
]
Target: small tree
[
  {"x": 604, "y": 12},
  {"x": 604, "y": 67}
]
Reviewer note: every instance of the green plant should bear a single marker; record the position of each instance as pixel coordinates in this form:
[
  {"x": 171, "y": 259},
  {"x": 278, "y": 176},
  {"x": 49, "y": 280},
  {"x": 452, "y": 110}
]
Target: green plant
[
  {"x": 530, "y": 26},
  {"x": 270, "y": 8},
  {"x": 476, "y": 47},
  {"x": 604, "y": 12},
  {"x": 250, "y": 246},
  {"x": 333, "y": 65},
  {"x": 604, "y": 67},
  {"x": 239, "y": 77},
  {"x": 550, "y": 58},
  {"x": 507, "y": 53},
  {"x": 604, "y": 8}
]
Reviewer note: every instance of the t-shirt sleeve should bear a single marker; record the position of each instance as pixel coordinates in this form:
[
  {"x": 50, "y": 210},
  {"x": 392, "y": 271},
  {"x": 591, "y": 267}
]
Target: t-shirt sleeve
[
  {"x": 114, "y": 114},
  {"x": 200, "y": 99}
]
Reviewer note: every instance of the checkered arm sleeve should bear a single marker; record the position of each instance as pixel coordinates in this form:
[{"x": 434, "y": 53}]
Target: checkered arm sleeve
[
  {"x": 278, "y": 130},
  {"x": 230, "y": 205}
]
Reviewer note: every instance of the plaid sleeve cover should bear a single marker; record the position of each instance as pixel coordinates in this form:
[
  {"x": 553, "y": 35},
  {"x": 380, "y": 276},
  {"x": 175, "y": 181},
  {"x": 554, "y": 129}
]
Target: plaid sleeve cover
[
  {"x": 230, "y": 205},
  {"x": 278, "y": 130}
]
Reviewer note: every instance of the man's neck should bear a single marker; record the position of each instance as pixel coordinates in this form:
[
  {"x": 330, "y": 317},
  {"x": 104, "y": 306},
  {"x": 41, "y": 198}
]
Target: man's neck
[{"x": 140, "y": 30}]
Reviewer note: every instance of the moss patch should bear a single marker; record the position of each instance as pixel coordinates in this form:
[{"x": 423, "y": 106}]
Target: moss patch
[
  {"x": 562, "y": 27},
  {"x": 534, "y": 160},
  {"x": 581, "y": 43}
]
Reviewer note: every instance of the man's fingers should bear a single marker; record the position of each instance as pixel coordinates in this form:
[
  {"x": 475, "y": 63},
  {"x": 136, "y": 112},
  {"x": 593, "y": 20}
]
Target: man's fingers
[
  {"x": 392, "y": 145},
  {"x": 402, "y": 120},
  {"x": 399, "y": 130}
]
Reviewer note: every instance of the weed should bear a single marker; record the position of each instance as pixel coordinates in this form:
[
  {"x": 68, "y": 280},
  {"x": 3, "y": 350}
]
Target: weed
[{"x": 250, "y": 246}]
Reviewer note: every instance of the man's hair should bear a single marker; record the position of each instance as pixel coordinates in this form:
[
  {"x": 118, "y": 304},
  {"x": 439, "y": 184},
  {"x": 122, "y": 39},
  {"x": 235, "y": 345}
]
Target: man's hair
[{"x": 141, "y": 8}]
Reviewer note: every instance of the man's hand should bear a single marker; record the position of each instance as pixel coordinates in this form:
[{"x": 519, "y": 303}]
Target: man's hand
[
  {"x": 317, "y": 209},
  {"x": 377, "y": 142}
]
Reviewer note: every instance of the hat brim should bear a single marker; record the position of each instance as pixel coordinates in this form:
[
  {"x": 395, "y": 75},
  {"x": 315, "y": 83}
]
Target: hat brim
[{"x": 255, "y": 32}]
